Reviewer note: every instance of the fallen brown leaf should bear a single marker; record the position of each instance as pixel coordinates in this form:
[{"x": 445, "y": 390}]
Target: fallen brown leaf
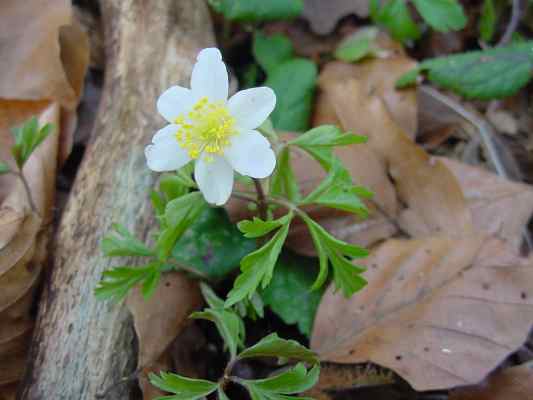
[
  {"x": 324, "y": 15},
  {"x": 440, "y": 311},
  {"x": 514, "y": 383}
]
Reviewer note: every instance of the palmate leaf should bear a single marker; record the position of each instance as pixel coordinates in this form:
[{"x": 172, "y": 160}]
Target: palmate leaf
[
  {"x": 274, "y": 346},
  {"x": 257, "y": 267},
  {"x": 257, "y": 227},
  {"x": 121, "y": 243},
  {"x": 117, "y": 282},
  {"x": 485, "y": 75},
  {"x": 279, "y": 387},
  {"x": 346, "y": 276},
  {"x": 183, "y": 388}
]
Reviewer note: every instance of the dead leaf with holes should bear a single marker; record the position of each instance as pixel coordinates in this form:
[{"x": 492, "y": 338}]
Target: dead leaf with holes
[
  {"x": 515, "y": 383},
  {"x": 441, "y": 311},
  {"x": 159, "y": 320},
  {"x": 43, "y": 58}
]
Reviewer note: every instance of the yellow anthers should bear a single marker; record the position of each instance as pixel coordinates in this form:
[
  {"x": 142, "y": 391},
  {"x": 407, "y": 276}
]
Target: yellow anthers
[{"x": 206, "y": 128}]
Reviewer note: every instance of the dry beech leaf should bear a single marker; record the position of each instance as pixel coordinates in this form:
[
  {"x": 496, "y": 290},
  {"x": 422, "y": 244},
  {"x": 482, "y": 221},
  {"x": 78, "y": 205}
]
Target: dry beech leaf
[
  {"x": 324, "y": 15},
  {"x": 423, "y": 184},
  {"x": 161, "y": 318},
  {"x": 515, "y": 383},
  {"x": 441, "y": 312},
  {"x": 377, "y": 77},
  {"x": 499, "y": 207}
]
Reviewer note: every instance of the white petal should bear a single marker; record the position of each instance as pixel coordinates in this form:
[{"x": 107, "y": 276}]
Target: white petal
[
  {"x": 174, "y": 101},
  {"x": 215, "y": 179},
  {"x": 251, "y": 107},
  {"x": 209, "y": 76},
  {"x": 250, "y": 154},
  {"x": 165, "y": 154}
]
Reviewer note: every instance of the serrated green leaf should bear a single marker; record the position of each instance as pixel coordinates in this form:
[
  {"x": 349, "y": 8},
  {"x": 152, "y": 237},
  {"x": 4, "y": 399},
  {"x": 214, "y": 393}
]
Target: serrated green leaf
[
  {"x": 270, "y": 51},
  {"x": 326, "y": 136},
  {"x": 257, "y": 227},
  {"x": 258, "y": 10},
  {"x": 345, "y": 275},
  {"x": 121, "y": 243},
  {"x": 283, "y": 182},
  {"x": 180, "y": 214},
  {"x": 337, "y": 191},
  {"x": 274, "y": 346},
  {"x": 442, "y": 15},
  {"x": 212, "y": 244},
  {"x": 487, "y": 21},
  {"x": 294, "y": 83},
  {"x": 358, "y": 45},
  {"x": 289, "y": 294},
  {"x": 295, "y": 380},
  {"x": 4, "y": 168},
  {"x": 211, "y": 298},
  {"x": 251, "y": 307},
  {"x": 395, "y": 16},
  {"x": 228, "y": 324},
  {"x": 117, "y": 282},
  {"x": 257, "y": 267},
  {"x": 488, "y": 74},
  {"x": 183, "y": 388}
]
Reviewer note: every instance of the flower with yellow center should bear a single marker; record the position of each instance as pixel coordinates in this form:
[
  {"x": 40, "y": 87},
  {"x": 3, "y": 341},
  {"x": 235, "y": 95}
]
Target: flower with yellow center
[{"x": 216, "y": 132}]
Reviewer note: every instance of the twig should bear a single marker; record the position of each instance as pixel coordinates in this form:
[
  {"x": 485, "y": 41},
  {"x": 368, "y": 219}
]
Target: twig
[
  {"x": 261, "y": 199},
  {"x": 513, "y": 24}
]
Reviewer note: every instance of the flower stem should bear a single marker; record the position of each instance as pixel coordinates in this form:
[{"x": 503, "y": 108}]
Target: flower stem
[{"x": 261, "y": 199}]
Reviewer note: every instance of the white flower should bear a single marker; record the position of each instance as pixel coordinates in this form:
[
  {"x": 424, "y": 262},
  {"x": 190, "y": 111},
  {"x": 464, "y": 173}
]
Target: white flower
[{"x": 217, "y": 133}]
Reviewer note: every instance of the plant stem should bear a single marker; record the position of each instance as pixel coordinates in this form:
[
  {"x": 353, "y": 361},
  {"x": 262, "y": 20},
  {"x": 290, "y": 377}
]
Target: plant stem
[
  {"x": 21, "y": 176},
  {"x": 261, "y": 199},
  {"x": 513, "y": 24}
]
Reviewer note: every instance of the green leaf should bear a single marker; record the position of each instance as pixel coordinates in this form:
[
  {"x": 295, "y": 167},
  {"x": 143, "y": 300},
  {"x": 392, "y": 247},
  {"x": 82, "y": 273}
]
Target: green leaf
[
  {"x": 326, "y": 136},
  {"x": 229, "y": 325},
  {"x": 358, "y": 45},
  {"x": 121, "y": 243},
  {"x": 212, "y": 244},
  {"x": 274, "y": 346},
  {"x": 442, "y": 15},
  {"x": 257, "y": 267},
  {"x": 4, "y": 168},
  {"x": 183, "y": 388},
  {"x": 487, "y": 22},
  {"x": 257, "y": 227},
  {"x": 27, "y": 138},
  {"x": 172, "y": 187},
  {"x": 222, "y": 395},
  {"x": 345, "y": 275},
  {"x": 289, "y": 294},
  {"x": 395, "y": 16},
  {"x": 251, "y": 308},
  {"x": 117, "y": 282},
  {"x": 408, "y": 79},
  {"x": 489, "y": 74},
  {"x": 283, "y": 182},
  {"x": 180, "y": 214},
  {"x": 211, "y": 298},
  {"x": 295, "y": 380},
  {"x": 271, "y": 51},
  {"x": 258, "y": 10},
  {"x": 337, "y": 191},
  {"x": 294, "y": 83}
]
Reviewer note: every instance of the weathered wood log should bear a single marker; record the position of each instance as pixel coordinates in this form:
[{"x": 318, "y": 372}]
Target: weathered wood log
[{"x": 82, "y": 345}]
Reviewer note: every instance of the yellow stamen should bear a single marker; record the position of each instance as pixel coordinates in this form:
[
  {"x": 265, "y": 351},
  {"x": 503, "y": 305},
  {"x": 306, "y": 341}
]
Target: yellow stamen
[{"x": 206, "y": 128}]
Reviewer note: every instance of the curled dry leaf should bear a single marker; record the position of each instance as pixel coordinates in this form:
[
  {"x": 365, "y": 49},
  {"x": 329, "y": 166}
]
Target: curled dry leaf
[
  {"x": 43, "y": 59},
  {"x": 441, "y": 311},
  {"x": 514, "y": 383},
  {"x": 324, "y": 15},
  {"x": 159, "y": 320}
]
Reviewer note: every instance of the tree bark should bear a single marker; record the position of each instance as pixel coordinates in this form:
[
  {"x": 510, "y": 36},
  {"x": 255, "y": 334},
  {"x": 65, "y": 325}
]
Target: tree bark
[{"x": 82, "y": 346}]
